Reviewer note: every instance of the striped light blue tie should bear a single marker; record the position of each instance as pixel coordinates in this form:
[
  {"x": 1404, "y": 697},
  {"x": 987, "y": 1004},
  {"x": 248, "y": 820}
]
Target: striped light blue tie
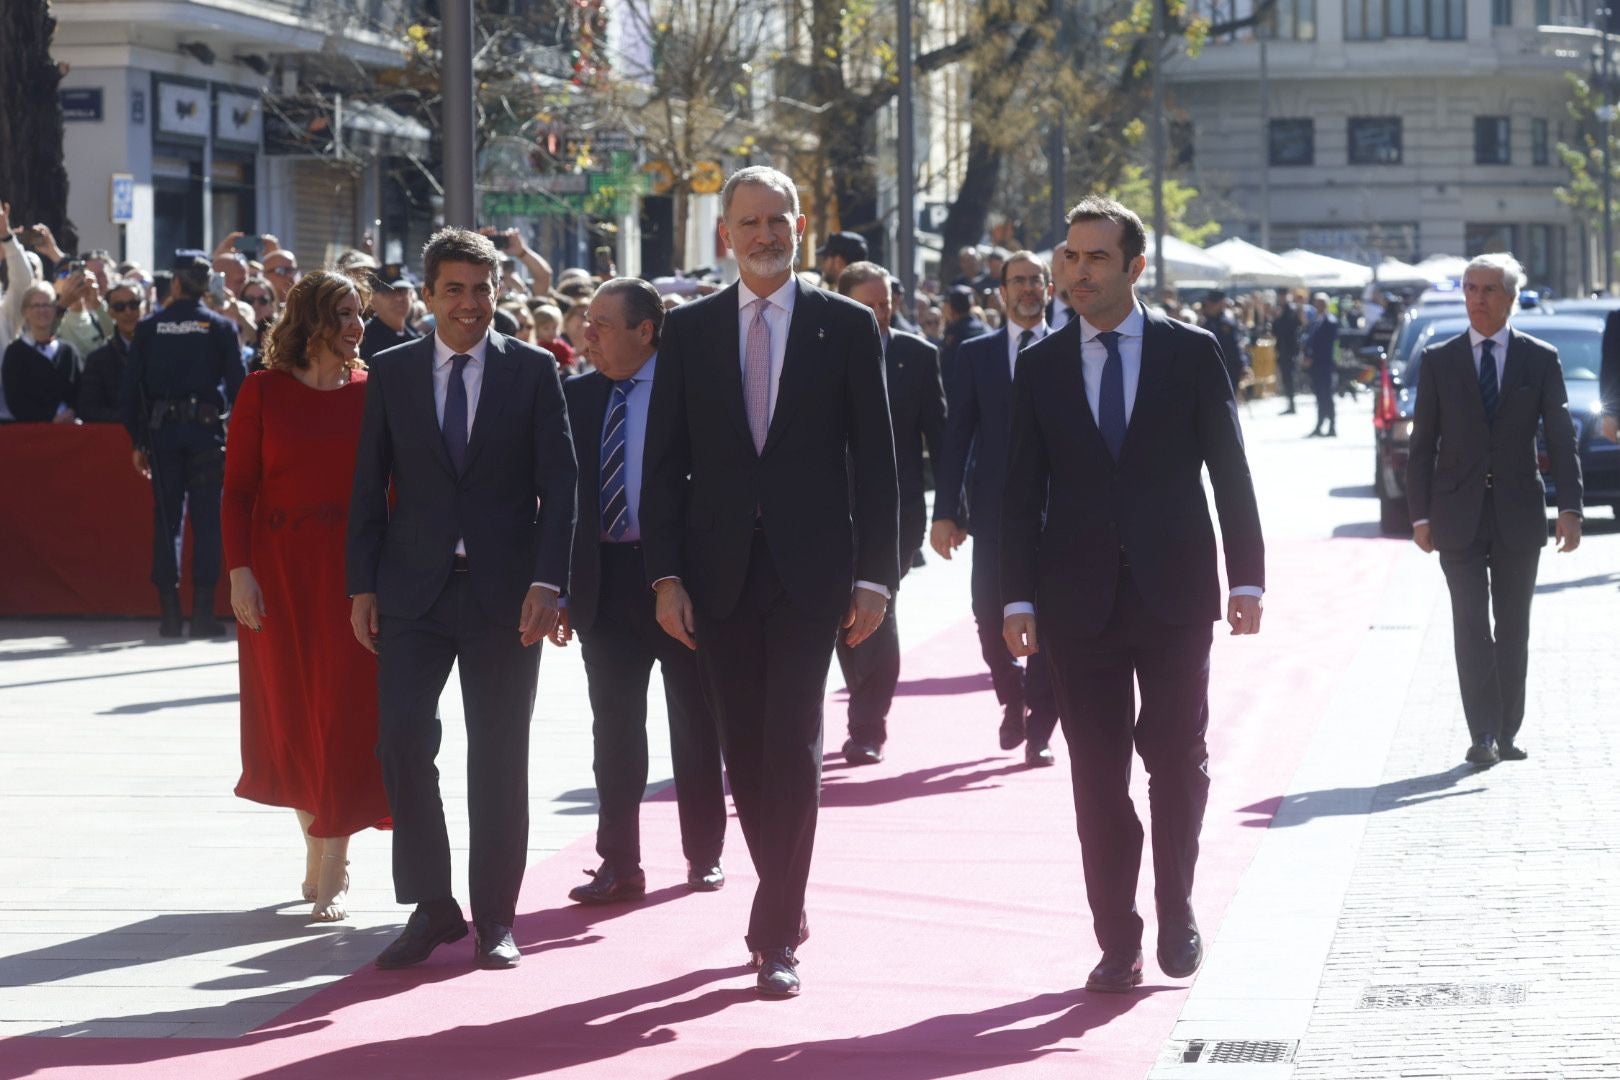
[
  {"x": 615, "y": 503},
  {"x": 1488, "y": 391}
]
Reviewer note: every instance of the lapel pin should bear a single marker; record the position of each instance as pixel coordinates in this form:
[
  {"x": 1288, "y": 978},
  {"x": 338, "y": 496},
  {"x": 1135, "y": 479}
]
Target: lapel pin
[{"x": 821, "y": 332}]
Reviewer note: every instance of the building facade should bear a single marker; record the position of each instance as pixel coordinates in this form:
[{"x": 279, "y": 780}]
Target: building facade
[{"x": 1406, "y": 128}]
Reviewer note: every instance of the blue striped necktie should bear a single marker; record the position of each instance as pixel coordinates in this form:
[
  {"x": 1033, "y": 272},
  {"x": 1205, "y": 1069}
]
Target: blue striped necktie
[
  {"x": 615, "y": 502},
  {"x": 1111, "y": 406},
  {"x": 1488, "y": 392}
]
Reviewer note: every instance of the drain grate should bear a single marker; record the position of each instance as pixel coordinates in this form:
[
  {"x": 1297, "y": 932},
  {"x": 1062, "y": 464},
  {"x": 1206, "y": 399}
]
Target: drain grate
[
  {"x": 1441, "y": 995},
  {"x": 1237, "y": 1051}
]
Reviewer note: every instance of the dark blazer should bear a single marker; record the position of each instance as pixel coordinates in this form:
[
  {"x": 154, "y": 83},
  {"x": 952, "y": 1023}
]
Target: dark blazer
[
  {"x": 1320, "y": 337},
  {"x": 36, "y": 387},
  {"x": 101, "y": 385},
  {"x": 917, "y": 412},
  {"x": 1609, "y": 374},
  {"x": 587, "y": 397},
  {"x": 1455, "y": 448},
  {"x": 703, "y": 485},
  {"x": 1071, "y": 509},
  {"x": 975, "y": 456},
  {"x": 513, "y": 504}
]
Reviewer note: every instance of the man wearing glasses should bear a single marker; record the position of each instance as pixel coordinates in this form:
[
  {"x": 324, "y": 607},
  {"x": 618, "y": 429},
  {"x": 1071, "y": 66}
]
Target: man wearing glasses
[
  {"x": 103, "y": 377},
  {"x": 281, "y": 268}
]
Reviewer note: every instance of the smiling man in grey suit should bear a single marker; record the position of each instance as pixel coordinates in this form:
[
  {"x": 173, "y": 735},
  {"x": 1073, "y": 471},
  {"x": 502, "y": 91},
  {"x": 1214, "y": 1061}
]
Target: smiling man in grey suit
[
  {"x": 470, "y": 429},
  {"x": 1475, "y": 491}
]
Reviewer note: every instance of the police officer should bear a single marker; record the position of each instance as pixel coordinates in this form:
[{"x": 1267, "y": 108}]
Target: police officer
[
  {"x": 389, "y": 324},
  {"x": 184, "y": 369}
]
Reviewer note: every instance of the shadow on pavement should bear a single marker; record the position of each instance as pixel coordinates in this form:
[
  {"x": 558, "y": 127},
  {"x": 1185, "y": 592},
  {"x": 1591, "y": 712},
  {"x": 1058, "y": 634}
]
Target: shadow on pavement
[
  {"x": 1359, "y": 491},
  {"x": 136, "y": 708},
  {"x": 846, "y": 788},
  {"x": 1298, "y": 809},
  {"x": 1595, "y": 581}
]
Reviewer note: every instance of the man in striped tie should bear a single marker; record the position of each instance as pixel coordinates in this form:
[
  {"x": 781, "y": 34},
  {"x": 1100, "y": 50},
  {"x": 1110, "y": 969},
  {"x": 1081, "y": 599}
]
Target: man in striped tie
[
  {"x": 611, "y": 608},
  {"x": 1477, "y": 497}
]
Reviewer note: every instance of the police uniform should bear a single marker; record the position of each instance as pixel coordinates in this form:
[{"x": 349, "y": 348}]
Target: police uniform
[
  {"x": 379, "y": 335},
  {"x": 184, "y": 368}
]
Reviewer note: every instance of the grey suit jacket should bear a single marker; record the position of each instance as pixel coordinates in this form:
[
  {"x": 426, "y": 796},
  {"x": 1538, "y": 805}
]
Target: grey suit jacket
[{"x": 1456, "y": 451}]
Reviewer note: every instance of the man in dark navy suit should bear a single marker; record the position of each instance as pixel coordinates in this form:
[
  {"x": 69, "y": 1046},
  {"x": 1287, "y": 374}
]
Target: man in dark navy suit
[
  {"x": 917, "y": 411},
  {"x": 1609, "y": 377},
  {"x": 974, "y": 464},
  {"x": 1107, "y": 543},
  {"x": 769, "y": 520},
  {"x": 465, "y": 567},
  {"x": 611, "y": 608}
]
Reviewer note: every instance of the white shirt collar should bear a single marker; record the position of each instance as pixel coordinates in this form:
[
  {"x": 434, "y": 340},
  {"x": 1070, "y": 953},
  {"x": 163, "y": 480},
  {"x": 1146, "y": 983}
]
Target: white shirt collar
[
  {"x": 443, "y": 354},
  {"x": 1015, "y": 331},
  {"x": 783, "y": 297},
  {"x": 1500, "y": 337},
  {"x": 1131, "y": 326}
]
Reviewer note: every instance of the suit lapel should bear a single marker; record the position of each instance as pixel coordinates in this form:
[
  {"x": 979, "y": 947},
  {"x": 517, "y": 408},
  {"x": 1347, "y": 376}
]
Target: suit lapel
[
  {"x": 1075, "y": 384},
  {"x": 1150, "y": 377},
  {"x": 1513, "y": 370},
  {"x": 799, "y": 360},
  {"x": 596, "y": 390},
  {"x": 998, "y": 384},
  {"x": 419, "y": 383},
  {"x": 500, "y": 368},
  {"x": 725, "y": 348},
  {"x": 1466, "y": 379}
]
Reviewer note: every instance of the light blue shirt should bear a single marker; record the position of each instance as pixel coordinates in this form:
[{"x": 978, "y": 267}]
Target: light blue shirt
[
  {"x": 636, "y": 400},
  {"x": 1499, "y": 352}
]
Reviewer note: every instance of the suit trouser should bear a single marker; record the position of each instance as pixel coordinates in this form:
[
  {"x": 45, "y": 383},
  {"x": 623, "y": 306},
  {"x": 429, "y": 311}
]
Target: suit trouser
[
  {"x": 1029, "y": 685},
  {"x": 872, "y": 673},
  {"x": 619, "y": 651},
  {"x": 1096, "y": 680},
  {"x": 188, "y": 476},
  {"x": 764, "y": 668},
  {"x": 497, "y": 686},
  {"x": 1485, "y": 579},
  {"x": 1327, "y": 411},
  {"x": 1287, "y": 366}
]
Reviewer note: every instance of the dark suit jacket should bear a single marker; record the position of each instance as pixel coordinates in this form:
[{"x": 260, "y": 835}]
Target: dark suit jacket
[
  {"x": 1070, "y": 508},
  {"x": 917, "y": 412},
  {"x": 1454, "y": 448},
  {"x": 1609, "y": 374},
  {"x": 513, "y": 504},
  {"x": 975, "y": 456},
  {"x": 587, "y": 397},
  {"x": 703, "y": 485},
  {"x": 36, "y": 387},
  {"x": 1319, "y": 341}
]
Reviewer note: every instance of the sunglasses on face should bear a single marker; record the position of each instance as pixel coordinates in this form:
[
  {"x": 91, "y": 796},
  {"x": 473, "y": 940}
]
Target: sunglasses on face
[
  {"x": 125, "y": 305},
  {"x": 284, "y": 271}
]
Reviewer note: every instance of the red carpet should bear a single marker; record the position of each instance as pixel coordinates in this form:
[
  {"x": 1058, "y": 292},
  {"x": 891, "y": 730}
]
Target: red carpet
[{"x": 950, "y": 934}]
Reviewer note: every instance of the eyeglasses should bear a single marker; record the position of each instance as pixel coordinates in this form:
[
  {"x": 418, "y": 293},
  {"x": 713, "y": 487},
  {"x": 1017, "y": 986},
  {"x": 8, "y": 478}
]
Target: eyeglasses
[
  {"x": 256, "y": 300},
  {"x": 125, "y": 305},
  {"x": 1025, "y": 282},
  {"x": 282, "y": 271},
  {"x": 41, "y": 305}
]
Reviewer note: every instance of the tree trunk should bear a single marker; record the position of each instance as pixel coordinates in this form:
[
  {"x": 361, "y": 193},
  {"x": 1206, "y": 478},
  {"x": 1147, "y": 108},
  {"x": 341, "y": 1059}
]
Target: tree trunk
[
  {"x": 33, "y": 178},
  {"x": 970, "y": 210}
]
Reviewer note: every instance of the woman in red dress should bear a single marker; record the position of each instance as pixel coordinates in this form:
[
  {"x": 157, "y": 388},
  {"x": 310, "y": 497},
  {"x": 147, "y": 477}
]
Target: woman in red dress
[{"x": 309, "y": 690}]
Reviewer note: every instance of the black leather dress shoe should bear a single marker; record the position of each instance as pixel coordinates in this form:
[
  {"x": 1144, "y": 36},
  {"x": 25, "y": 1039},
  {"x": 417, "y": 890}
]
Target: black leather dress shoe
[
  {"x": 608, "y": 887},
  {"x": 1483, "y": 753},
  {"x": 861, "y": 752},
  {"x": 778, "y": 973},
  {"x": 1012, "y": 726},
  {"x": 425, "y": 931},
  {"x": 1118, "y": 972},
  {"x": 1511, "y": 751},
  {"x": 1037, "y": 757},
  {"x": 705, "y": 876},
  {"x": 756, "y": 958},
  {"x": 493, "y": 947},
  {"x": 1181, "y": 950}
]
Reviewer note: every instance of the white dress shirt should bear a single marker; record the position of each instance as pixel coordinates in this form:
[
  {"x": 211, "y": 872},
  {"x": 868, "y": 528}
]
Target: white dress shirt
[
  {"x": 1014, "y": 332},
  {"x": 1499, "y": 352},
  {"x": 473, "y": 378},
  {"x": 1093, "y": 355}
]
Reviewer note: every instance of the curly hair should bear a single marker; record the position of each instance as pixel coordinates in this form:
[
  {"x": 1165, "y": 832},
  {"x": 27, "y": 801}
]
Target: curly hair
[{"x": 310, "y": 315}]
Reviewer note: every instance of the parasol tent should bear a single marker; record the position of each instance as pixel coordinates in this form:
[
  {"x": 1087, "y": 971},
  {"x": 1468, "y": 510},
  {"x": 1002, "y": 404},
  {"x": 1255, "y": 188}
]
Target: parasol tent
[
  {"x": 1255, "y": 266},
  {"x": 1326, "y": 272}
]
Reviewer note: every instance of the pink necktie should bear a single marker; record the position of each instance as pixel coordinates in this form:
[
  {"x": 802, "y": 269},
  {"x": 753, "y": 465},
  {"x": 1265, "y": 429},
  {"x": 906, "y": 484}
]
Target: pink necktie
[{"x": 757, "y": 376}]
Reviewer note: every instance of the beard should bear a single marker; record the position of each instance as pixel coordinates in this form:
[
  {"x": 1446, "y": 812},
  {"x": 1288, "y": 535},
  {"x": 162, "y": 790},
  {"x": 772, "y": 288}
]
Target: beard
[{"x": 772, "y": 262}]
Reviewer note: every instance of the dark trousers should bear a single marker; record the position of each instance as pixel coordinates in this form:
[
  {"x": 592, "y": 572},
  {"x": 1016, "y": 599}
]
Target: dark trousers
[
  {"x": 1487, "y": 579},
  {"x": 1326, "y": 412},
  {"x": 1287, "y": 367},
  {"x": 764, "y": 668},
  {"x": 872, "y": 672},
  {"x": 619, "y": 650},
  {"x": 1096, "y": 679},
  {"x": 1029, "y": 685},
  {"x": 188, "y": 473},
  {"x": 497, "y": 686}
]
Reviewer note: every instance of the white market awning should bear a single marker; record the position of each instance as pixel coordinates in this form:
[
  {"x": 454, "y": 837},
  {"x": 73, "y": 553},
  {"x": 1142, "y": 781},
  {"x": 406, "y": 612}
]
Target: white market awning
[
  {"x": 1326, "y": 272},
  {"x": 1247, "y": 264}
]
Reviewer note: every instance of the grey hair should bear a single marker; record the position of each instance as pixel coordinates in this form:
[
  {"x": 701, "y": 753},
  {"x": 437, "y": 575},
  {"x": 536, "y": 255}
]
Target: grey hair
[
  {"x": 1504, "y": 262},
  {"x": 764, "y": 176}
]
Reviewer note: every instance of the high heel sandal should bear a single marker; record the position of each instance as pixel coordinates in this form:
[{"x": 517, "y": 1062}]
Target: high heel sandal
[{"x": 333, "y": 908}]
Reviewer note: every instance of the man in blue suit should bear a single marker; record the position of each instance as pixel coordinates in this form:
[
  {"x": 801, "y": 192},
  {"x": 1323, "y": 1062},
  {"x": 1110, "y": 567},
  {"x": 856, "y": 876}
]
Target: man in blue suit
[{"x": 975, "y": 463}]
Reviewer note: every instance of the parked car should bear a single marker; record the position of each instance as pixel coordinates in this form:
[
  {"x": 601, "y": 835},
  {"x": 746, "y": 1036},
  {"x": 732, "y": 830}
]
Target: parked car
[
  {"x": 1579, "y": 341},
  {"x": 1597, "y": 306}
]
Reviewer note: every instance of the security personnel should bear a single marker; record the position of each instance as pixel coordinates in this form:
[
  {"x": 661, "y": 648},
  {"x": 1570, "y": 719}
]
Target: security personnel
[
  {"x": 389, "y": 325},
  {"x": 184, "y": 369}
]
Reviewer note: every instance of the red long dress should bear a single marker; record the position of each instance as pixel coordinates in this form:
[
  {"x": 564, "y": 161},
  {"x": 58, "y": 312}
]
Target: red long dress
[{"x": 309, "y": 689}]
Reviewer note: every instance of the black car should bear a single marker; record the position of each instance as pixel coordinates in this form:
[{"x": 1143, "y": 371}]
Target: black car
[{"x": 1579, "y": 341}]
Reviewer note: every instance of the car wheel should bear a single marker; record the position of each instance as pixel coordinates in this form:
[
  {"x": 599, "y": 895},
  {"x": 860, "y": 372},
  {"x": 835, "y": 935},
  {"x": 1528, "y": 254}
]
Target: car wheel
[{"x": 1393, "y": 517}]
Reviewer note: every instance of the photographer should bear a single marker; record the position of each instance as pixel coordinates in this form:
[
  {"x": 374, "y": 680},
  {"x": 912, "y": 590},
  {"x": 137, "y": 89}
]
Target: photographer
[{"x": 510, "y": 242}]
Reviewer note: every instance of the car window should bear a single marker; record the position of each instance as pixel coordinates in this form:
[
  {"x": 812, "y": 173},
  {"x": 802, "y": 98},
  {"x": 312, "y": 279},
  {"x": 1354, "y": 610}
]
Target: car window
[{"x": 1580, "y": 348}]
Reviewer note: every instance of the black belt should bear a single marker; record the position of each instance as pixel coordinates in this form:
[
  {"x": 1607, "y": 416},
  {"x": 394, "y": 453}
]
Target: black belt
[{"x": 460, "y": 564}]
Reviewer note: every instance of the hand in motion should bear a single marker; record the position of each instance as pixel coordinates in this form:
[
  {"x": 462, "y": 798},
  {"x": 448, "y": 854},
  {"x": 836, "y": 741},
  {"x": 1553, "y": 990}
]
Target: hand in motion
[
  {"x": 1018, "y": 631},
  {"x": 363, "y": 620},
  {"x": 865, "y": 615},
  {"x": 247, "y": 602},
  {"x": 563, "y": 632},
  {"x": 1423, "y": 537},
  {"x": 674, "y": 612},
  {"x": 1243, "y": 613},
  {"x": 539, "y": 616},
  {"x": 142, "y": 465},
  {"x": 1569, "y": 532},
  {"x": 945, "y": 537}
]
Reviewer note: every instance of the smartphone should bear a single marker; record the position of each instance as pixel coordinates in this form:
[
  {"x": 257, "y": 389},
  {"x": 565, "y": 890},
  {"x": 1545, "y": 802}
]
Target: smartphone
[
  {"x": 216, "y": 288},
  {"x": 250, "y": 247},
  {"x": 68, "y": 269}
]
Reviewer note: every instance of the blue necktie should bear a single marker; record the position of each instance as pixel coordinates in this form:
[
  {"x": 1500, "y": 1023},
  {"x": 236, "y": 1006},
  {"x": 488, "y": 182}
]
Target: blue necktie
[
  {"x": 615, "y": 502},
  {"x": 1488, "y": 392},
  {"x": 1111, "y": 407},
  {"x": 455, "y": 413}
]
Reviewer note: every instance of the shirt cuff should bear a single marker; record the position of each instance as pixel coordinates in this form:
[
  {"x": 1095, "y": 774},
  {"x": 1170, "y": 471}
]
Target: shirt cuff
[
  {"x": 672, "y": 577},
  {"x": 1246, "y": 590},
  {"x": 1420, "y": 521},
  {"x": 545, "y": 585},
  {"x": 875, "y": 587},
  {"x": 1019, "y": 607}
]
